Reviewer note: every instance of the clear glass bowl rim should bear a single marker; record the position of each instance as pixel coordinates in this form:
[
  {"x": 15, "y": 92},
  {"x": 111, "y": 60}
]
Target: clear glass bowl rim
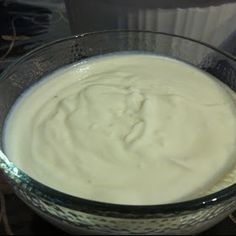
[{"x": 72, "y": 202}]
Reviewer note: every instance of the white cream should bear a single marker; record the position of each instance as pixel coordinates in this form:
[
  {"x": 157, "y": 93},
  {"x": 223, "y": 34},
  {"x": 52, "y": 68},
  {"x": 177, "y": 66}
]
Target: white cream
[{"x": 127, "y": 128}]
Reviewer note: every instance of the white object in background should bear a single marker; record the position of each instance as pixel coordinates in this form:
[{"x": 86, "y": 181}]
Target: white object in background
[{"x": 208, "y": 21}]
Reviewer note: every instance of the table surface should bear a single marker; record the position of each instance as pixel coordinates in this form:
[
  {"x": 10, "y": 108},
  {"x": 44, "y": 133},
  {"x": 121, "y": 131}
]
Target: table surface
[{"x": 24, "y": 27}]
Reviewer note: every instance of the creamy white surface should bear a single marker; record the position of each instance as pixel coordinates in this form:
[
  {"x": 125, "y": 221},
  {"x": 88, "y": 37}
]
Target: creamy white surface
[{"x": 131, "y": 129}]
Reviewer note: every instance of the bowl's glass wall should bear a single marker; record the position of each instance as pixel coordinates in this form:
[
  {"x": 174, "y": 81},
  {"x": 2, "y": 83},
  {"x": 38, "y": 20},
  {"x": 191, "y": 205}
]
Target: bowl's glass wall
[{"x": 31, "y": 68}]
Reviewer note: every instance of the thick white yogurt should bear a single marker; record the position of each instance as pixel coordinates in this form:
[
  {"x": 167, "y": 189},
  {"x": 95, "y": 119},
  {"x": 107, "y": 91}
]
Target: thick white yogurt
[{"x": 130, "y": 129}]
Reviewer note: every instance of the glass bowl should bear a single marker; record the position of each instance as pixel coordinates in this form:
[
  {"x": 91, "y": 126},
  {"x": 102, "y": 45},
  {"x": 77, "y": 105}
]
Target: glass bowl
[{"x": 77, "y": 215}]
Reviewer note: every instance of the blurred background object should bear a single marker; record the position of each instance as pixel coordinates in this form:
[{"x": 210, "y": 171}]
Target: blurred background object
[
  {"x": 25, "y": 25},
  {"x": 210, "y": 21}
]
